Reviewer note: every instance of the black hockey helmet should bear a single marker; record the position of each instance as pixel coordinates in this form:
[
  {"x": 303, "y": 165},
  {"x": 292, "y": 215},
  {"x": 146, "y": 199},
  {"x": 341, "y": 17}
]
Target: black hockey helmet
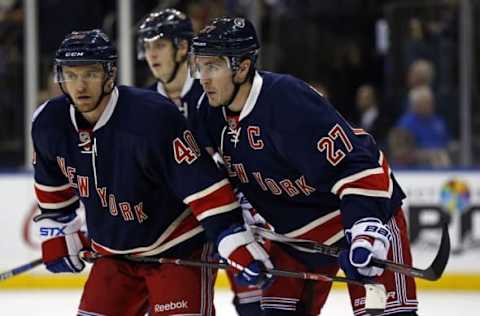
[
  {"x": 233, "y": 37},
  {"x": 169, "y": 23},
  {"x": 85, "y": 47}
]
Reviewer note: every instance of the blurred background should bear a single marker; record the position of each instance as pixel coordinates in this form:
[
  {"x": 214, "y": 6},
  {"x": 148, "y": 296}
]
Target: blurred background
[
  {"x": 406, "y": 71},
  {"x": 383, "y": 63}
]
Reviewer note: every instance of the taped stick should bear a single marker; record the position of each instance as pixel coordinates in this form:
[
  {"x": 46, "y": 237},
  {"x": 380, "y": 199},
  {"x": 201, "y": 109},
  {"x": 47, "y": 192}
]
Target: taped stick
[
  {"x": 431, "y": 273},
  {"x": 90, "y": 256},
  {"x": 21, "y": 269},
  {"x": 375, "y": 299}
]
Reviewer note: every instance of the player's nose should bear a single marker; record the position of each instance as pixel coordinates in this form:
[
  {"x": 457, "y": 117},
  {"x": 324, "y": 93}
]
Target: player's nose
[
  {"x": 81, "y": 86},
  {"x": 205, "y": 81}
]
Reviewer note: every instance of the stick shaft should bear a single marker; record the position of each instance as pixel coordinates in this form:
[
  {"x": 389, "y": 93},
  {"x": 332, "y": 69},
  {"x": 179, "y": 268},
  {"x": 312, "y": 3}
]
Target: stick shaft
[
  {"x": 92, "y": 256},
  {"x": 18, "y": 270},
  {"x": 432, "y": 273}
]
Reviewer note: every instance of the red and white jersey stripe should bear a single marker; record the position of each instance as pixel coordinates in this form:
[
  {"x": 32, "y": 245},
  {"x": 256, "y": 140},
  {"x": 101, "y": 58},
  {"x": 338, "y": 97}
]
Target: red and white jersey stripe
[
  {"x": 375, "y": 182},
  {"x": 55, "y": 197},
  {"x": 182, "y": 228},
  {"x": 216, "y": 199},
  {"x": 327, "y": 229}
]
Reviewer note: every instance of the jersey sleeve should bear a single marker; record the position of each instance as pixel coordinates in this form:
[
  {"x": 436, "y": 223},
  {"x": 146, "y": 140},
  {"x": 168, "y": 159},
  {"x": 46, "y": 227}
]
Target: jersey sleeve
[
  {"x": 194, "y": 178},
  {"x": 332, "y": 155},
  {"x": 52, "y": 188}
]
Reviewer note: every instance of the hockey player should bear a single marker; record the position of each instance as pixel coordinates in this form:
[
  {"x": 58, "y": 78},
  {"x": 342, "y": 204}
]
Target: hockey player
[
  {"x": 304, "y": 169},
  {"x": 163, "y": 40},
  {"x": 148, "y": 190}
]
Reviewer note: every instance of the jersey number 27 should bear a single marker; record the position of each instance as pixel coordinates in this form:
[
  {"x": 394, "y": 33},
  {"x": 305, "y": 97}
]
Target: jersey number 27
[{"x": 327, "y": 143}]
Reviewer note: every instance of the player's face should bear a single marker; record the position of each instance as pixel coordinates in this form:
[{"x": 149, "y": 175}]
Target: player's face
[
  {"x": 215, "y": 77},
  {"x": 84, "y": 84},
  {"x": 160, "y": 55}
]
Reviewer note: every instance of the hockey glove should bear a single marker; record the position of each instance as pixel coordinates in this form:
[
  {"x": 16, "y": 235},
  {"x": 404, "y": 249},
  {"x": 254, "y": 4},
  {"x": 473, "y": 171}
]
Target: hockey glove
[
  {"x": 368, "y": 238},
  {"x": 247, "y": 257},
  {"x": 61, "y": 241},
  {"x": 252, "y": 218},
  {"x": 250, "y": 214}
]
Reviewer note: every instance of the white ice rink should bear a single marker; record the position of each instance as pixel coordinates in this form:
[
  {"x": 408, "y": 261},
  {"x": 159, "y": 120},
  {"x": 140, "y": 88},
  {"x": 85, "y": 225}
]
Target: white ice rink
[{"x": 63, "y": 303}]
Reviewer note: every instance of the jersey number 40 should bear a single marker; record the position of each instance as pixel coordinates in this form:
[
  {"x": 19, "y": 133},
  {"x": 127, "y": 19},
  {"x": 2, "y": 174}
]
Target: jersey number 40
[{"x": 186, "y": 149}]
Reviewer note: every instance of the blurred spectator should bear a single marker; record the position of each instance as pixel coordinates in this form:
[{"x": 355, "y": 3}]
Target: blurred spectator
[
  {"x": 401, "y": 147},
  {"x": 429, "y": 130},
  {"x": 416, "y": 46},
  {"x": 420, "y": 73},
  {"x": 370, "y": 117}
]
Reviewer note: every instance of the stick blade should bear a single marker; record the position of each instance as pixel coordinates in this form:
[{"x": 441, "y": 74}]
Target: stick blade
[{"x": 436, "y": 269}]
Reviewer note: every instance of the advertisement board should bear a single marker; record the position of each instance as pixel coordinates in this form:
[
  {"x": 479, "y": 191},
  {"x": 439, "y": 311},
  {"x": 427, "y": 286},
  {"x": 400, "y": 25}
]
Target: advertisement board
[{"x": 432, "y": 197}]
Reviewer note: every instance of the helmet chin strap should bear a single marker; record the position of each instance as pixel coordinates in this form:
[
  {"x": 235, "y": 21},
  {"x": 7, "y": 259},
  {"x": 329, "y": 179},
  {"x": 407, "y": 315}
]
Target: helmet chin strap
[
  {"x": 236, "y": 88},
  {"x": 173, "y": 75}
]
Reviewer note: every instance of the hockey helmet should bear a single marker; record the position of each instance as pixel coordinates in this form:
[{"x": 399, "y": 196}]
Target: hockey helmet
[
  {"x": 85, "y": 47},
  {"x": 168, "y": 23},
  {"x": 232, "y": 37}
]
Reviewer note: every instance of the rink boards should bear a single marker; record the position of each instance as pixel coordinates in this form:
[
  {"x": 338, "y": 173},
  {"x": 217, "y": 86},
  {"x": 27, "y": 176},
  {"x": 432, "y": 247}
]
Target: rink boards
[{"x": 433, "y": 196}]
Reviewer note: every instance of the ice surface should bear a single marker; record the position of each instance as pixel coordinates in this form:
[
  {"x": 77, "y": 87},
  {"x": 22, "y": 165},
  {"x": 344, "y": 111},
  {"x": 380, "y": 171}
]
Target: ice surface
[{"x": 64, "y": 303}]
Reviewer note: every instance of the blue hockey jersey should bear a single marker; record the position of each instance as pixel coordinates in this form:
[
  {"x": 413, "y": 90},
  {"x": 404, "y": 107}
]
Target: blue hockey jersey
[
  {"x": 189, "y": 96},
  {"x": 299, "y": 163},
  {"x": 188, "y": 105},
  {"x": 144, "y": 181}
]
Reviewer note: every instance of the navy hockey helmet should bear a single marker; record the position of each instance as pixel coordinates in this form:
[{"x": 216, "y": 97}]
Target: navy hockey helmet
[
  {"x": 232, "y": 37},
  {"x": 169, "y": 23},
  {"x": 85, "y": 47}
]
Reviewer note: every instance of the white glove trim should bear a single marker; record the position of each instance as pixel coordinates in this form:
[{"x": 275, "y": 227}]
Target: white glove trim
[{"x": 232, "y": 242}]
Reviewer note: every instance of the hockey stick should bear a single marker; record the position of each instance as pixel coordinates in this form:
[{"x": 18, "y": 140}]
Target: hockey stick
[
  {"x": 23, "y": 268},
  {"x": 91, "y": 256},
  {"x": 432, "y": 273},
  {"x": 375, "y": 293}
]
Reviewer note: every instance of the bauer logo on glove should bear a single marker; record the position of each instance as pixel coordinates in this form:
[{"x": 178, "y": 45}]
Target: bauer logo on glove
[{"x": 368, "y": 238}]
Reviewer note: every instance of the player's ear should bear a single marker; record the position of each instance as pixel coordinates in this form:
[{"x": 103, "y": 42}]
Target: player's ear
[
  {"x": 243, "y": 70},
  {"x": 113, "y": 77},
  {"x": 182, "y": 51}
]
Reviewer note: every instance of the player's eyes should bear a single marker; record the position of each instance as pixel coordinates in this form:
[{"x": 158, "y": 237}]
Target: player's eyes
[
  {"x": 213, "y": 67},
  {"x": 93, "y": 75},
  {"x": 89, "y": 76},
  {"x": 150, "y": 46},
  {"x": 70, "y": 76}
]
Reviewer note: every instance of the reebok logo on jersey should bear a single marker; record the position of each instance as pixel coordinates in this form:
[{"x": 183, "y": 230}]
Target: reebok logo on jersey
[{"x": 171, "y": 306}]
